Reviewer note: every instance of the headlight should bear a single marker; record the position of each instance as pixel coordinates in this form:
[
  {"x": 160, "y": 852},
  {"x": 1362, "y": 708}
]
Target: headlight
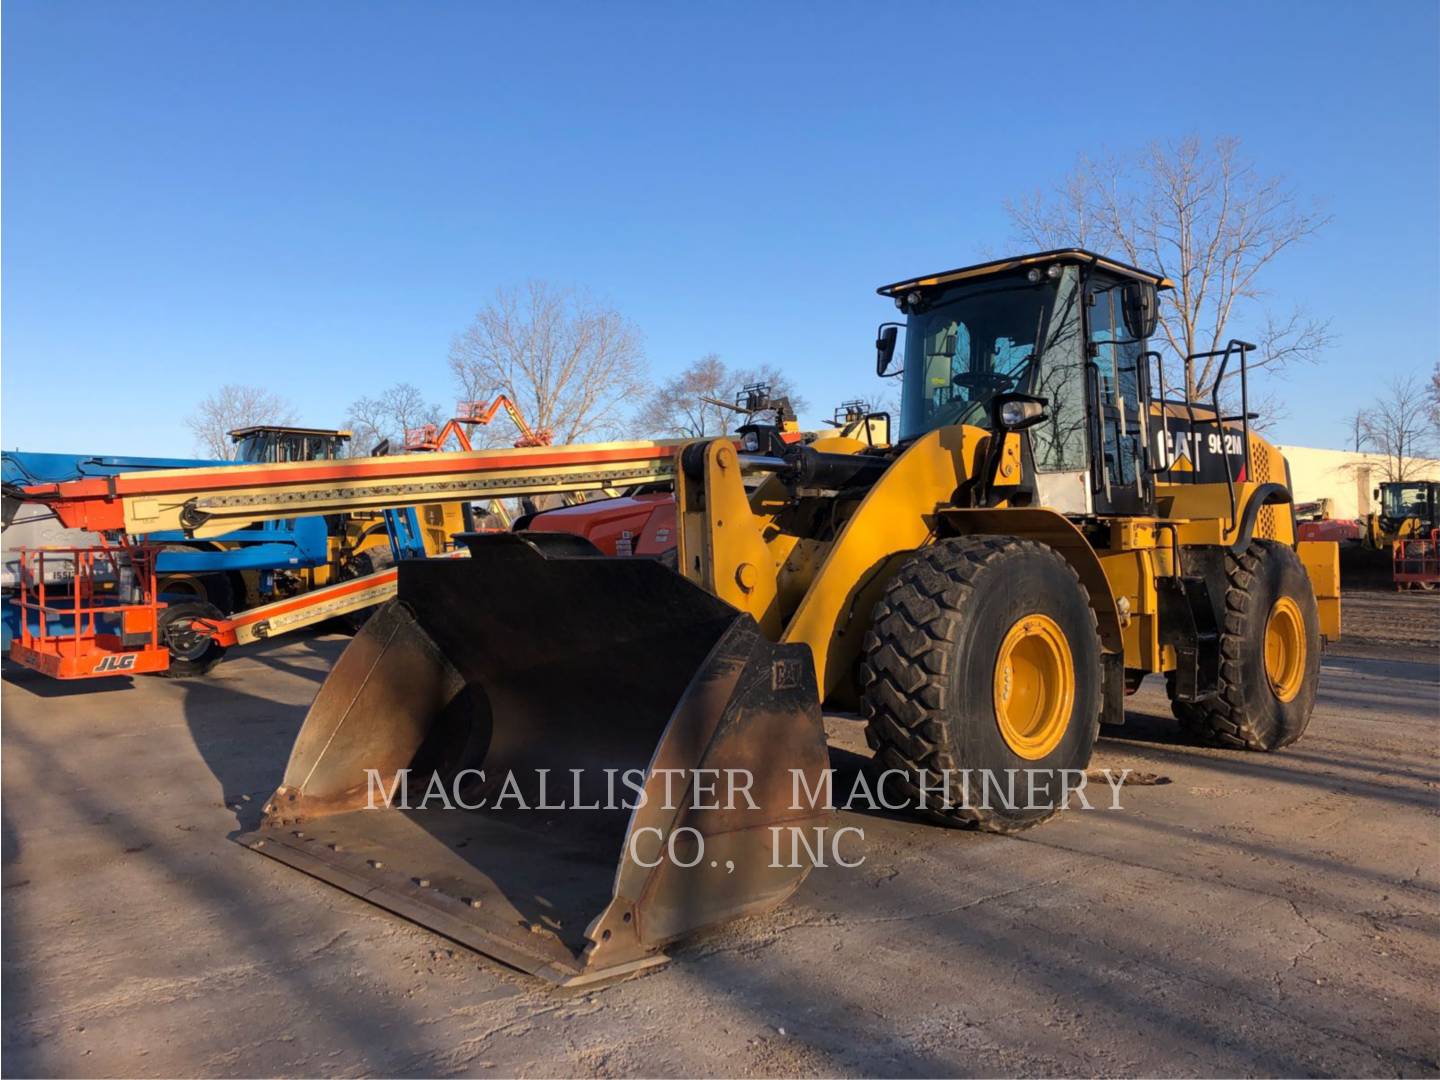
[
  {"x": 1021, "y": 413},
  {"x": 750, "y": 443}
]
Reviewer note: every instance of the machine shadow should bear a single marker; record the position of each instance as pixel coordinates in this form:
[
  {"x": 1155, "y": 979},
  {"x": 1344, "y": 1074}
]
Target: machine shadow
[
  {"x": 44, "y": 686},
  {"x": 243, "y": 739},
  {"x": 221, "y": 890}
]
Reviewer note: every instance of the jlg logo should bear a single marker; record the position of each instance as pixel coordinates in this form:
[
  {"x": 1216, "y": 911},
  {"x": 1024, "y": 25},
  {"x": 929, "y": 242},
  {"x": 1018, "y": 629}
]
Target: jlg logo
[{"x": 116, "y": 663}]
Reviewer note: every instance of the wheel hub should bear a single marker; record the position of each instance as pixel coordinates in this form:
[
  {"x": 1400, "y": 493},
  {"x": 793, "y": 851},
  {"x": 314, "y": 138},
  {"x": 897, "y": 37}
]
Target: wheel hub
[
  {"x": 1034, "y": 686},
  {"x": 184, "y": 641},
  {"x": 1285, "y": 649}
]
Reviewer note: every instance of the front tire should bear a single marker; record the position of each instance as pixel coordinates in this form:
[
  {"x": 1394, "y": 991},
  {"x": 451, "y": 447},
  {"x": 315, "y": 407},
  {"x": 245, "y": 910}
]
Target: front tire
[
  {"x": 982, "y": 655},
  {"x": 1269, "y": 655}
]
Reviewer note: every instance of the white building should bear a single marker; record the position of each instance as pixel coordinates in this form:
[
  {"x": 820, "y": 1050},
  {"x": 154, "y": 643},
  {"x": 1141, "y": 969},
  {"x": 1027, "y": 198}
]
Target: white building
[{"x": 1344, "y": 477}]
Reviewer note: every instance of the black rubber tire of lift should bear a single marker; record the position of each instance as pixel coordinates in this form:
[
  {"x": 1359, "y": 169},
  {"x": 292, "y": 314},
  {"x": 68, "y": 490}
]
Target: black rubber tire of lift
[{"x": 189, "y": 655}]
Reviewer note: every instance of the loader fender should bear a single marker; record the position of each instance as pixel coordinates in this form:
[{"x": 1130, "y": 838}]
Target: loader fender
[
  {"x": 900, "y": 513},
  {"x": 1055, "y": 530},
  {"x": 1264, "y": 495}
]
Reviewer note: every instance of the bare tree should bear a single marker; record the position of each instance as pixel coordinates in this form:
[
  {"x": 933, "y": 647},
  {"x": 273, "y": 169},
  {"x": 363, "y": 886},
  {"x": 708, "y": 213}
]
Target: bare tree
[
  {"x": 234, "y": 406},
  {"x": 1399, "y": 427},
  {"x": 678, "y": 407},
  {"x": 1203, "y": 217},
  {"x": 1432, "y": 394},
  {"x": 387, "y": 417},
  {"x": 1355, "y": 429},
  {"x": 570, "y": 364}
]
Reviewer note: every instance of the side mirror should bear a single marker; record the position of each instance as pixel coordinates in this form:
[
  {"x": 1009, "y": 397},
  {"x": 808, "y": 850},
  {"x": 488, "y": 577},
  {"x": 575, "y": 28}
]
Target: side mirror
[
  {"x": 885, "y": 346},
  {"x": 1140, "y": 308},
  {"x": 1016, "y": 412}
]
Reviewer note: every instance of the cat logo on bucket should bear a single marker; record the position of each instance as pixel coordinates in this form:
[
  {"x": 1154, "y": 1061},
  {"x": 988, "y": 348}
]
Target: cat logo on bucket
[
  {"x": 116, "y": 663},
  {"x": 786, "y": 674}
]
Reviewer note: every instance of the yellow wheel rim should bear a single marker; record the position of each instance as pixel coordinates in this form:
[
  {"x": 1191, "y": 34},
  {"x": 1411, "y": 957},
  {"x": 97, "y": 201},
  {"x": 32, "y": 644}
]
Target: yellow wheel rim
[
  {"x": 1285, "y": 649},
  {"x": 1034, "y": 686}
]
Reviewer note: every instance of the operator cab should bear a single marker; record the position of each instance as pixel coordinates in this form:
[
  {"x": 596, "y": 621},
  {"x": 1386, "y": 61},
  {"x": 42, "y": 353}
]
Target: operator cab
[
  {"x": 273, "y": 443},
  {"x": 1054, "y": 343},
  {"x": 1402, "y": 500}
]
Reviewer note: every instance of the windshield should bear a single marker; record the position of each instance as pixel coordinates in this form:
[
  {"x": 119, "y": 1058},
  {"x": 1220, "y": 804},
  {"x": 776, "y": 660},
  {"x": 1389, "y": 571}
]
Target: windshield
[
  {"x": 979, "y": 339},
  {"x": 1405, "y": 500},
  {"x": 274, "y": 446}
]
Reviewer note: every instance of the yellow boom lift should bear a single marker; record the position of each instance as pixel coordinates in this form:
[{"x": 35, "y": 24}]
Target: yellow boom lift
[{"x": 1045, "y": 531}]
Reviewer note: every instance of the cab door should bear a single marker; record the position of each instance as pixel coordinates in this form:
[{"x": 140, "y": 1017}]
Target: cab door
[{"x": 1119, "y": 396}]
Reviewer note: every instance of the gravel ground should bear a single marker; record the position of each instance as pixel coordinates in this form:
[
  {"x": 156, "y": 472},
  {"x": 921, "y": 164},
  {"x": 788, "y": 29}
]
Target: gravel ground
[
  {"x": 1248, "y": 914},
  {"x": 1387, "y": 617}
]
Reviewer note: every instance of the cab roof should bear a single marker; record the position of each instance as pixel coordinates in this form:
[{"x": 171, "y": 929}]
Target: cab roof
[
  {"x": 285, "y": 429},
  {"x": 1001, "y": 266}
]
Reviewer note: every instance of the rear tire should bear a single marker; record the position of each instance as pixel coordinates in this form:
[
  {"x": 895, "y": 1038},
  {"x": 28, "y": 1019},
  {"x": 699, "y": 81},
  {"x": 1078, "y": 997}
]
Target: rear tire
[
  {"x": 192, "y": 652},
  {"x": 983, "y": 654},
  {"x": 1269, "y": 655}
]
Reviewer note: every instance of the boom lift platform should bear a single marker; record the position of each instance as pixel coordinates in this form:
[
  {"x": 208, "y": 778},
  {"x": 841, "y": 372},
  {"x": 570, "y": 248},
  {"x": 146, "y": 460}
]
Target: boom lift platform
[
  {"x": 470, "y": 414},
  {"x": 106, "y": 634}
]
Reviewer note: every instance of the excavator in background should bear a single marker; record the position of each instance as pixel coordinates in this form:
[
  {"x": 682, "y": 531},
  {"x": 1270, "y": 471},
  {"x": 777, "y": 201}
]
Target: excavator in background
[{"x": 1044, "y": 533}]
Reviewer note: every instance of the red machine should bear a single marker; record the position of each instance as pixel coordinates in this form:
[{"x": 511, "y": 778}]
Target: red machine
[
  {"x": 632, "y": 525},
  {"x": 1339, "y": 530}
]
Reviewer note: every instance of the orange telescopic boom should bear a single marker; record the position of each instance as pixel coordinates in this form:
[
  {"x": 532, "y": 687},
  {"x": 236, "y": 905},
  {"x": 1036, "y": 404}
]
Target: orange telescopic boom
[{"x": 210, "y": 501}]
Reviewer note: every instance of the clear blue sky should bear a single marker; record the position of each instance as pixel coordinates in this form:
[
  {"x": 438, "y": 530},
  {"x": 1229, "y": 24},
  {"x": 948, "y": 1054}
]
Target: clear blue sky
[{"x": 317, "y": 196}]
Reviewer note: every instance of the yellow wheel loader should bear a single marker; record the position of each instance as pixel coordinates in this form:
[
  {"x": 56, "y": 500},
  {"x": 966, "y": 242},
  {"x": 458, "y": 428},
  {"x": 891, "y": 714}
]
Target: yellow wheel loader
[{"x": 566, "y": 760}]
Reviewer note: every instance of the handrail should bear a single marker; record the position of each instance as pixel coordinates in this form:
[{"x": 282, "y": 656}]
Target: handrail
[
  {"x": 1243, "y": 347},
  {"x": 1234, "y": 347}
]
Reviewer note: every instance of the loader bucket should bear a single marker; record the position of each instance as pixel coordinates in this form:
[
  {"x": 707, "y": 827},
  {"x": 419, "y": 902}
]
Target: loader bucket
[{"x": 532, "y": 699}]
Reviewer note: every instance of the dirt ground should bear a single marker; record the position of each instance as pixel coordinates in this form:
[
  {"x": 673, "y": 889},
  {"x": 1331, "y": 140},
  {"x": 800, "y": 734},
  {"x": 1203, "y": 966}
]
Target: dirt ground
[
  {"x": 1385, "y": 617},
  {"x": 1252, "y": 914}
]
